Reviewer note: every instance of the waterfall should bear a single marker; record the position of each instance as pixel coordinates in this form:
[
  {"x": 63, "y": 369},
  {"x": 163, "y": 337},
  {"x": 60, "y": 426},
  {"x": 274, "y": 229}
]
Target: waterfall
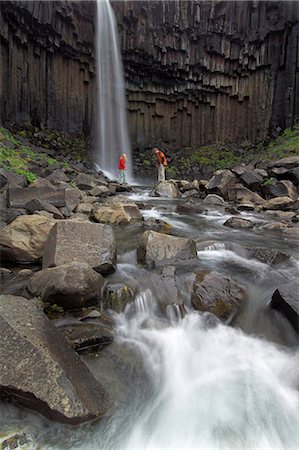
[{"x": 113, "y": 137}]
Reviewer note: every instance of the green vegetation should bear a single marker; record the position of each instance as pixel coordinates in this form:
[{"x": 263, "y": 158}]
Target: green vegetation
[
  {"x": 225, "y": 156},
  {"x": 269, "y": 182},
  {"x": 147, "y": 163},
  {"x": 17, "y": 157}
]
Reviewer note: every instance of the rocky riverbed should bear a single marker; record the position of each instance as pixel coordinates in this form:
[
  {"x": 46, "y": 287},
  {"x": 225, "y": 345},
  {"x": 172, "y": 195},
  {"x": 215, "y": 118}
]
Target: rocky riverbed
[{"x": 67, "y": 239}]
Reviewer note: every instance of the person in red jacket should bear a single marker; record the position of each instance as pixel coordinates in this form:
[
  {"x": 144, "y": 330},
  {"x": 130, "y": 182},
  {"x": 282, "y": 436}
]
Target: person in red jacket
[
  {"x": 161, "y": 163},
  {"x": 122, "y": 169}
]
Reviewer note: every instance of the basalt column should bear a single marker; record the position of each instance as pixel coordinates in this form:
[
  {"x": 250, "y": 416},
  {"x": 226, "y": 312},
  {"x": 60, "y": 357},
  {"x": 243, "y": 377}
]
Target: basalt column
[
  {"x": 202, "y": 72},
  {"x": 47, "y": 74}
]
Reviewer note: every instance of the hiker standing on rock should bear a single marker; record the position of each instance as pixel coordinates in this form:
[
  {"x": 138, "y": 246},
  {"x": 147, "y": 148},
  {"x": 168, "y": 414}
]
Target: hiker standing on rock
[
  {"x": 161, "y": 163},
  {"x": 122, "y": 169}
]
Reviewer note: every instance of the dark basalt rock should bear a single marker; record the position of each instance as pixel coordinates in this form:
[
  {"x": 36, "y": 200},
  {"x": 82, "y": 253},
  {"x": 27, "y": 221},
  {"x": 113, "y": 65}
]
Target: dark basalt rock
[
  {"x": 52, "y": 380},
  {"x": 286, "y": 300}
]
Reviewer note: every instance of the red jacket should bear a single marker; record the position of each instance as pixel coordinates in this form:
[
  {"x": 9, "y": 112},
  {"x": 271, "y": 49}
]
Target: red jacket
[{"x": 122, "y": 165}]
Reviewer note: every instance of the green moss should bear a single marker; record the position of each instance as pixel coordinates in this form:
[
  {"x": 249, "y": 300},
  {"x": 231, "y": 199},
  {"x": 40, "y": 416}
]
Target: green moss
[
  {"x": 269, "y": 182},
  {"x": 147, "y": 163}
]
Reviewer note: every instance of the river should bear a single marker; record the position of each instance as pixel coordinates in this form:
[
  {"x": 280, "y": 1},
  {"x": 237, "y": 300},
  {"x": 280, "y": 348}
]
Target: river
[{"x": 190, "y": 382}]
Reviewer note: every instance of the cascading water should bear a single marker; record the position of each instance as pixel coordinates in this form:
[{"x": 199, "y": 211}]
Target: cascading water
[{"x": 113, "y": 137}]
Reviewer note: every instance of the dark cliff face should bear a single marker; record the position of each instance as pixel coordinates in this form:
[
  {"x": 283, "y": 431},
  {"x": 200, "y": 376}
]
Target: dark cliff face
[
  {"x": 47, "y": 64},
  {"x": 202, "y": 72}
]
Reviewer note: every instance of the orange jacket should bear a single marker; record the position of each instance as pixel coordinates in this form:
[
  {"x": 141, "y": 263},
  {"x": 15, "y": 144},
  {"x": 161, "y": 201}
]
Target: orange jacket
[{"x": 161, "y": 158}]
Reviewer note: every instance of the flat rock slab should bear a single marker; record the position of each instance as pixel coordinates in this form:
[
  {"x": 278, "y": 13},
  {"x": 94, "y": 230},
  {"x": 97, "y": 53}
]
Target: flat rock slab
[
  {"x": 159, "y": 249},
  {"x": 85, "y": 242},
  {"x": 40, "y": 371},
  {"x": 18, "y": 197}
]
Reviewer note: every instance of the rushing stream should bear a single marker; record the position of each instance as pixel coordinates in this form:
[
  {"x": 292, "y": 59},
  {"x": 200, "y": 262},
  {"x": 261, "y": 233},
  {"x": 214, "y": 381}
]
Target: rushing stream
[{"x": 192, "y": 382}]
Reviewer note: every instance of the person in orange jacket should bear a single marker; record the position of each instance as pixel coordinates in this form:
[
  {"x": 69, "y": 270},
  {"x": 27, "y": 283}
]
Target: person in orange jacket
[
  {"x": 122, "y": 169},
  {"x": 161, "y": 163}
]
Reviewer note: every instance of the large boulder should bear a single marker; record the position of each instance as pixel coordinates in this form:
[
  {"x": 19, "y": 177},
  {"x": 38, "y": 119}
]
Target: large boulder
[
  {"x": 71, "y": 285},
  {"x": 278, "y": 203},
  {"x": 241, "y": 194},
  {"x": 42, "y": 205},
  {"x": 216, "y": 293},
  {"x": 213, "y": 199},
  {"x": 86, "y": 242},
  {"x": 120, "y": 215},
  {"x": 251, "y": 179},
  {"x": 40, "y": 371},
  {"x": 166, "y": 189},
  {"x": 286, "y": 300},
  {"x": 221, "y": 182},
  {"x": 23, "y": 240},
  {"x": 159, "y": 249},
  {"x": 290, "y": 162}
]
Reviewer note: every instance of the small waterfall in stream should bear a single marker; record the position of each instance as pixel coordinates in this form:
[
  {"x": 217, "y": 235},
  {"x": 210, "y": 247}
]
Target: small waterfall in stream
[{"x": 113, "y": 137}]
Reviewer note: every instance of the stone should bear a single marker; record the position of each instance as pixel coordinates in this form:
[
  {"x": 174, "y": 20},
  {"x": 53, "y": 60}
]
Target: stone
[
  {"x": 117, "y": 296},
  {"x": 100, "y": 191},
  {"x": 72, "y": 198},
  {"x": 71, "y": 285},
  {"x": 161, "y": 249},
  {"x": 213, "y": 199},
  {"x": 87, "y": 337},
  {"x": 12, "y": 179},
  {"x": 246, "y": 206},
  {"x": 276, "y": 189},
  {"x": 216, "y": 293},
  {"x": 85, "y": 208},
  {"x": 239, "y": 170},
  {"x": 156, "y": 224},
  {"x": 290, "y": 188},
  {"x": 286, "y": 300},
  {"x": 85, "y": 182},
  {"x": 241, "y": 194},
  {"x": 120, "y": 215},
  {"x": 18, "y": 197},
  {"x": 166, "y": 189},
  {"x": 41, "y": 183},
  {"x": 275, "y": 226},
  {"x": 10, "y": 214},
  {"x": 251, "y": 179},
  {"x": 84, "y": 242},
  {"x": 269, "y": 256},
  {"x": 16, "y": 283},
  {"x": 238, "y": 222},
  {"x": 40, "y": 371},
  {"x": 290, "y": 162},
  {"x": 278, "y": 203},
  {"x": 221, "y": 182},
  {"x": 42, "y": 205},
  {"x": 57, "y": 176},
  {"x": 23, "y": 240}
]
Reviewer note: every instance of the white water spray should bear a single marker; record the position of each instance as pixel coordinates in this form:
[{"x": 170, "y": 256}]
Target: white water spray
[{"x": 113, "y": 137}]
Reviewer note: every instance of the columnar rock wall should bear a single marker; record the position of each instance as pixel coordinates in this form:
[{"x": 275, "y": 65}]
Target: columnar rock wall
[
  {"x": 47, "y": 64},
  {"x": 202, "y": 72}
]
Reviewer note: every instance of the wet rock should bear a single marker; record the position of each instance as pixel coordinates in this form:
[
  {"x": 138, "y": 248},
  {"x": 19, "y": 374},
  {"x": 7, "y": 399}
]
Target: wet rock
[
  {"x": 238, "y": 222},
  {"x": 117, "y": 296},
  {"x": 87, "y": 337},
  {"x": 166, "y": 189},
  {"x": 156, "y": 224},
  {"x": 221, "y": 182},
  {"x": 216, "y": 293},
  {"x": 71, "y": 285},
  {"x": 209, "y": 245},
  {"x": 246, "y": 207},
  {"x": 275, "y": 226},
  {"x": 40, "y": 371},
  {"x": 120, "y": 215},
  {"x": 159, "y": 249},
  {"x": 190, "y": 207},
  {"x": 291, "y": 231},
  {"x": 91, "y": 243},
  {"x": 17, "y": 441},
  {"x": 123, "y": 188},
  {"x": 168, "y": 275},
  {"x": 280, "y": 214},
  {"x": 232, "y": 210},
  {"x": 269, "y": 256},
  {"x": 23, "y": 240},
  {"x": 286, "y": 300},
  {"x": 213, "y": 199}
]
